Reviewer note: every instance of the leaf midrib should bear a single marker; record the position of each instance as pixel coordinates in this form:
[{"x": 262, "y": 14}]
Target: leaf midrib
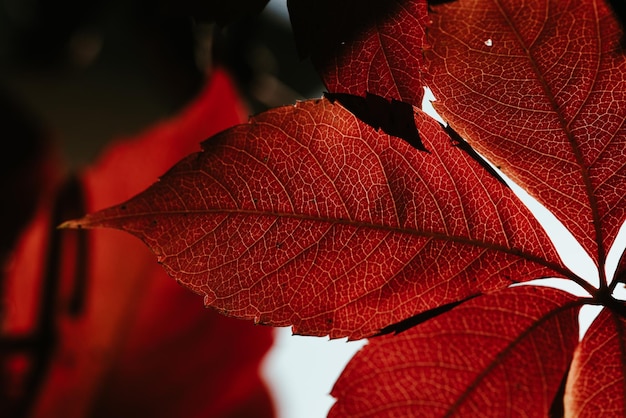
[
  {"x": 106, "y": 220},
  {"x": 500, "y": 358},
  {"x": 572, "y": 140}
]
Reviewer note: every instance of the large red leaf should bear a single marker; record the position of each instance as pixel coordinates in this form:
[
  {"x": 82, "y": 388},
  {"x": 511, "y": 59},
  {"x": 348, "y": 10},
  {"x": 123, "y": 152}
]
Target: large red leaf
[
  {"x": 364, "y": 46},
  {"x": 139, "y": 347},
  {"x": 498, "y": 355},
  {"x": 539, "y": 89},
  {"x": 307, "y": 216},
  {"x": 596, "y": 385}
]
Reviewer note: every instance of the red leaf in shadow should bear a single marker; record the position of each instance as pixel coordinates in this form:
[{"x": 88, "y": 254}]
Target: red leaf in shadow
[{"x": 364, "y": 46}]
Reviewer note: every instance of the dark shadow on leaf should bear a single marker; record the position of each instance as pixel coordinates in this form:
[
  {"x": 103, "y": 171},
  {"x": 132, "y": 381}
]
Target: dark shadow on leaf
[
  {"x": 393, "y": 117},
  {"x": 422, "y": 317},
  {"x": 438, "y": 2},
  {"x": 333, "y": 34},
  {"x": 619, "y": 9},
  {"x": 459, "y": 142}
]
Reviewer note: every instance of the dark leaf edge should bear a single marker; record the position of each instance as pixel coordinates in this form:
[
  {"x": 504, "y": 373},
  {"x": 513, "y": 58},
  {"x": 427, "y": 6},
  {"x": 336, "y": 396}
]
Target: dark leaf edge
[{"x": 422, "y": 317}]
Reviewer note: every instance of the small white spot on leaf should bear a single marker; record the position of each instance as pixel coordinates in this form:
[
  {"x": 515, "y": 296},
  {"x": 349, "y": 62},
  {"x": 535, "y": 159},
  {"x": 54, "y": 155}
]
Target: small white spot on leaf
[{"x": 489, "y": 42}]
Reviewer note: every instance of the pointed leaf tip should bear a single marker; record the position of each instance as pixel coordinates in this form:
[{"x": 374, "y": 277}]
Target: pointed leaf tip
[
  {"x": 71, "y": 224},
  {"x": 91, "y": 220}
]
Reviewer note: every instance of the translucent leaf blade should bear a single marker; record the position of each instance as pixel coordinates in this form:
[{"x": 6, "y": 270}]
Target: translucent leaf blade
[
  {"x": 503, "y": 354},
  {"x": 597, "y": 381},
  {"x": 306, "y": 216},
  {"x": 539, "y": 90}
]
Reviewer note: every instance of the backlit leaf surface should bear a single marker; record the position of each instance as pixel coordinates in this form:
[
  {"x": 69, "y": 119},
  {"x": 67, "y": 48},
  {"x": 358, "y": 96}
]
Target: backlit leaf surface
[
  {"x": 364, "y": 46},
  {"x": 503, "y": 354},
  {"x": 307, "y": 216},
  {"x": 539, "y": 88},
  {"x": 596, "y": 385}
]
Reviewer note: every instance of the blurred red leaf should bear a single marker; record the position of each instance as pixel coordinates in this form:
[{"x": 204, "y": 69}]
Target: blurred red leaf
[
  {"x": 539, "y": 90},
  {"x": 503, "y": 354},
  {"x": 364, "y": 46},
  {"x": 307, "y": 216},
  {"x": 140, "y": 348},
  {"x": 26, "y": 172}
]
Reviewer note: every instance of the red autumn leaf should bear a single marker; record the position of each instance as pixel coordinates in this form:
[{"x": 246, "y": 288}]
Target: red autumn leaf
[
  {"x": 597, "y": 380},
  {"x": 307, "y": 216},
  {"x": 140, "y": 347},
  {"x": 503, "y": 354},
  {"x": 539, "y": 90},
  {"x": 364, "y": 46}
]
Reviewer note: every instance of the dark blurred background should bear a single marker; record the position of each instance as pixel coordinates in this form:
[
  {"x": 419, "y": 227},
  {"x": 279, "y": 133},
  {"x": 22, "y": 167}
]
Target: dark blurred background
[
  {"x": 91, "y": 71},
  {"x": 76, "y": 74}
]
